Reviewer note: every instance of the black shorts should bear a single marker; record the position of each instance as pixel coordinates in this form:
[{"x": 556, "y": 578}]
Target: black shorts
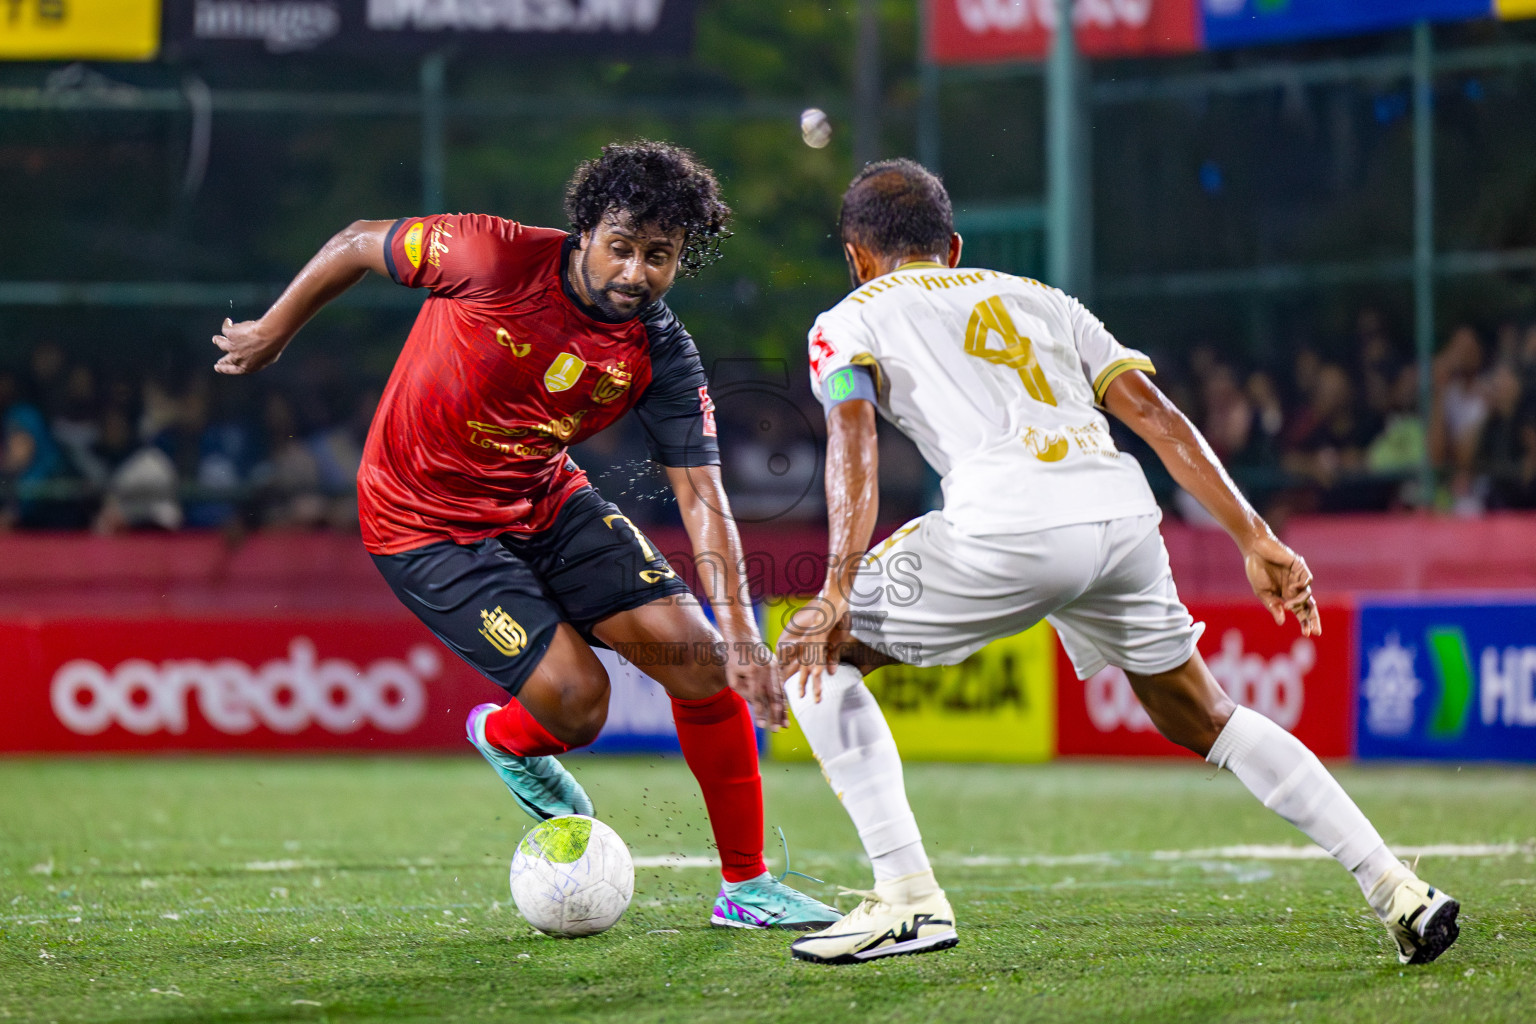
[{"x": 496, "y": 603}]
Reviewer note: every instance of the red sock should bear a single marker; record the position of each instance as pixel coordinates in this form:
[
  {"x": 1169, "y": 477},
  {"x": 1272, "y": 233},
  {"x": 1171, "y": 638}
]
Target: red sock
[
  {"x": 514, "y": 730},
  {"x": 720, "y": 747}
]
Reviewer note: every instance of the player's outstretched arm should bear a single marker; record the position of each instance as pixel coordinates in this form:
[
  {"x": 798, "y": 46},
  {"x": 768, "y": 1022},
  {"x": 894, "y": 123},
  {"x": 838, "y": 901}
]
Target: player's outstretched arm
[
  {"x": 721, "y": 563},
  {"x": 853, "y": 503},
  {"x": 252, "y": 345},
  {"x": 1279, "y": 576}
]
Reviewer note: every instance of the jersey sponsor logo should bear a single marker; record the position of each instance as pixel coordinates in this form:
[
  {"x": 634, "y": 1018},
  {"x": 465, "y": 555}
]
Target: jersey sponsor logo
[
  {"x": 821, "y": 351},
  {"x": 842, "y": 384},
  {"x": 412, "y": 243},
  {"x": 556, "y": 434},
  {"x": 612, "y": 385},
  {"x": 1094, "y": 439},
  {"x": 707, "y": 409},
  {"x": 1045, "y": 445},
  {"x": 504, "y": 339},
  {"x": 286, "y": 695},
  {"x": 503, "y": 631},
  {"x": 437, "y": 244},
  {"x": 564, "y": 372}
]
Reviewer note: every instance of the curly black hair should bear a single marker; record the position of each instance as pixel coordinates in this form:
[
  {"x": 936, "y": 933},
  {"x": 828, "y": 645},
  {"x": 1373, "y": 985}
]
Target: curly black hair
[
  {"x": 655, "y": 183},
  {"x": 898, "y": 208}
]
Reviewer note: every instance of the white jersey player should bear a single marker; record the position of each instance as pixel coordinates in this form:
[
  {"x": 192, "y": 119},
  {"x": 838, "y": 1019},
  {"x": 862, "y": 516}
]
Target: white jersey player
[{"x": 1002, "y": 383}]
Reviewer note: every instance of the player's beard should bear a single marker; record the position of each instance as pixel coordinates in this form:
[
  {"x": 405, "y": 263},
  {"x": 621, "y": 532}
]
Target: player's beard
[{"x": 600, "y": 295}]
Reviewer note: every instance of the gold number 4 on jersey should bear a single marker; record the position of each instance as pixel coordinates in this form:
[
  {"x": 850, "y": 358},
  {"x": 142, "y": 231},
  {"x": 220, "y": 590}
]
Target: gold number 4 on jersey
[{"x": 991, "y": 317}]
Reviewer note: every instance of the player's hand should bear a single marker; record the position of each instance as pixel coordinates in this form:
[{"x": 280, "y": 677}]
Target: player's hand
[
  {"x": 807, "y": 647},
  {"x": 1281, "y": 579},
  {"x": 754, "y": 674},
  {"x": 247, "y": 348}
]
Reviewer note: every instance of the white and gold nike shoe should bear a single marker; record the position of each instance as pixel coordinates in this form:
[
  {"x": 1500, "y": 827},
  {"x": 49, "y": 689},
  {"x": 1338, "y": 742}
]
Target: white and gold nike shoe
[
  {"x": 901, "y": 917},
  {"x": 1420, "y": 918}
]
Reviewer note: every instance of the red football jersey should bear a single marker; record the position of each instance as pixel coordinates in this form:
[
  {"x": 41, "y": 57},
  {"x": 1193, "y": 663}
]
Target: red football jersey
[{"x": 502, "y": 371}]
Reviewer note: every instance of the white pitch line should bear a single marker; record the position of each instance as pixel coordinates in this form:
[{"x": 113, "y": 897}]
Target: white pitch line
[
  {"x": 1248, "y": 852},
  {"x": 1318, "y": 853},
  {"x": 692, "y": 861},
  {"x": 285, "y": 865},
  {"x": 677, "y": 861}
]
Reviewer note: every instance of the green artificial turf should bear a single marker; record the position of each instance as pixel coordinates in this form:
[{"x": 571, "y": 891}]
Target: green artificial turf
[{"x": 337, "y": 889}]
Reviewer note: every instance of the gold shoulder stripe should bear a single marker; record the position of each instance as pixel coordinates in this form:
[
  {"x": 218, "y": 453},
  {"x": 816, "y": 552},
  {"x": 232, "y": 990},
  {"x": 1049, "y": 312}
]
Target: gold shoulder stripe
[
  {"x": 867, "y": 360},
  {"x": 1109, "y": 373}
]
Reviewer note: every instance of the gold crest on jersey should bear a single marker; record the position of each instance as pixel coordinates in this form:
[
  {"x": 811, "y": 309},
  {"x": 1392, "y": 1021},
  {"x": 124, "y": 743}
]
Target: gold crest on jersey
[
  {"x": 612, "y": 385},
  {"x": 564, "y": 372},
  {"x": 503, "y": 631}
]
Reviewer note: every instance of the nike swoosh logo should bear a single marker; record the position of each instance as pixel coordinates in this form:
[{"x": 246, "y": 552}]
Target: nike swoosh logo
[{"x": 829, "y": 938}]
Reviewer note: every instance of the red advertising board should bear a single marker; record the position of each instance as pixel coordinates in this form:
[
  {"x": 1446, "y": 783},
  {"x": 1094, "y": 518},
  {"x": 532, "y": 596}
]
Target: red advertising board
[
  {"x": 92, "y": 685},
  {"x": 1303, "y": 683},
  {"x": 981, "y": 31}
]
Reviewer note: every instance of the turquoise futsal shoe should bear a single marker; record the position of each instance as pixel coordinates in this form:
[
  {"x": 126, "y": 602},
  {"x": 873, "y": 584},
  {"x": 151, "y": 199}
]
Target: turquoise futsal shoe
[
  {"x": 540, "y": 785},
  {"x": 766, "y": 902}
]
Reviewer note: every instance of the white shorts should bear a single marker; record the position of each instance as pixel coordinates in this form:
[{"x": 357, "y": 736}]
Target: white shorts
[{"x": 930, "y": 595}]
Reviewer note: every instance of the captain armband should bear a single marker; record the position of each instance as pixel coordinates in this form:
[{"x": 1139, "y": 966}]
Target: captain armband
[{"x": 847, "y": 384}]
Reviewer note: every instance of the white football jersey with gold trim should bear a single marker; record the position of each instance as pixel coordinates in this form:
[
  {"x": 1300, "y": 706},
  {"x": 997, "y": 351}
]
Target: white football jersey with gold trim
[{"x": 997, "y": 380}]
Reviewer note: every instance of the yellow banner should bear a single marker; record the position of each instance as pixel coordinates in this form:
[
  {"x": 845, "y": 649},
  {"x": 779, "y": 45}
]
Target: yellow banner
[
  {"x": 1510, "y": 10},
  {"x": 79, "y": 29},
  {"x": 997, "y": 705}
]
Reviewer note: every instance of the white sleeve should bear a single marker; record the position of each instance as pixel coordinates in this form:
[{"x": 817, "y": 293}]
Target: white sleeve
[
  {"x": 835, "y": 342},
  {"x": 1102, "y": 357}
]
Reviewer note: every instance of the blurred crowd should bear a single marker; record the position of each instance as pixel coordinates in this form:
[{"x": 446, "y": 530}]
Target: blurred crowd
[
  {"x": 177, "y": 447},
  {"x": 1343, "y": 432},
  {"x": 174, "y": 448}
]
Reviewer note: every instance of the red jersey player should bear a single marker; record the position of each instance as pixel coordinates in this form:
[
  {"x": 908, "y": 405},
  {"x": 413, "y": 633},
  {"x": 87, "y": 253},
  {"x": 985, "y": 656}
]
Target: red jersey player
[{"x": 533, "y": 339}]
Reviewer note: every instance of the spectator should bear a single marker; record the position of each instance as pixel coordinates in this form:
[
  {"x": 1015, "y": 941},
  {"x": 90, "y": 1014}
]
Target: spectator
[
  {"x": 1268, "y": 420},
  {"x": 45, "y": 376},
  {"x": 1506, "y": 456},
  {"x": 338, "y": 452},
  {"x": 1397, "y": 451},
  {"x": 31, "y": 464},
  {"x": 288, "y": 479},
  {"x": 1227, "y": 419},
  {"x": 1399, "y": 447},
  {"x": 1526, "y": 360},
  {"x": 76, "y": 424},
  {"x": 1305, "y": 373},
  {"x": 141, "y": 485},
  {"x": 1377, "y": 367},
  {"x": 1457, "y": 415},
  {"x": 1326, "y": 445},
  {"x": 1327, "y": 436}
]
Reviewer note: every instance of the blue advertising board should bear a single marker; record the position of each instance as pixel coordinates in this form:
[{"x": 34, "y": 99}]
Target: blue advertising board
[
  {"x": 639, "y": 710},
  {"x": 1447, "y": 681},
  {"x": 1251, "y": 22}
]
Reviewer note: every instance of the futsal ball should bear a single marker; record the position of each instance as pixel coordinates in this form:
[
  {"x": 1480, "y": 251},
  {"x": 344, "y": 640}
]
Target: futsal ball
[
  {"x": 572, "y": 876},
  {"x": 815, "y": 129}
]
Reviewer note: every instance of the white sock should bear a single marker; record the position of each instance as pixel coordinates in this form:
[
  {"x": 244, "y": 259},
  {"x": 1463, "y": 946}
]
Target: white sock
[
  {"x": 1290, "y": 780},
  {"x": 850, "y": 737}
]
